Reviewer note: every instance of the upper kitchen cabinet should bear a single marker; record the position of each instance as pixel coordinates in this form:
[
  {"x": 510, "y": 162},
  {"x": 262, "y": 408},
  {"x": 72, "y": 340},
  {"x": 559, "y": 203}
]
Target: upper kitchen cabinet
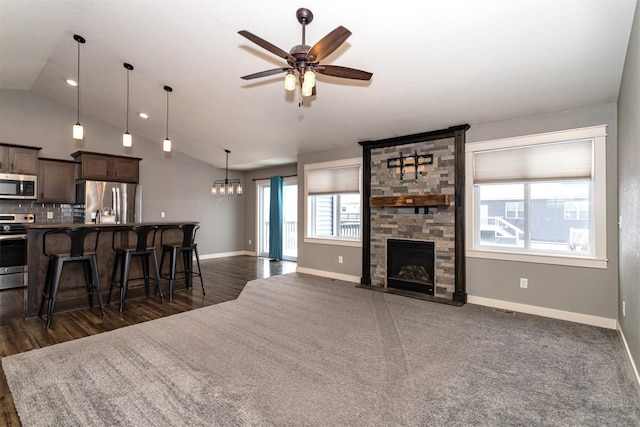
[
  {"x": 106, "y": 167},
  {"x": 19, "y": 159},
  {"x": 57, "y": 181}
]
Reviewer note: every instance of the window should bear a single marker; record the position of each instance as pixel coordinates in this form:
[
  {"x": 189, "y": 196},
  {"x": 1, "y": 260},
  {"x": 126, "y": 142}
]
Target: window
[
  {"x": 333, "y": 202},
  {"x": 577, "y": 210},
  {"x": 539, "y": 198},
  {"x": 514, "y": 210}
]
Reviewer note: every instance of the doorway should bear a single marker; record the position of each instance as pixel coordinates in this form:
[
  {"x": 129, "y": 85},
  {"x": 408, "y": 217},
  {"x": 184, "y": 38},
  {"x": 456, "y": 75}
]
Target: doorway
[{"x": 290, "y": 218}]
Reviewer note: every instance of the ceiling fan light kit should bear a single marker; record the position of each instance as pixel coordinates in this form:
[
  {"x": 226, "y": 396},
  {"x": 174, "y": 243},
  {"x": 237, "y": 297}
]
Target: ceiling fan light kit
[{"x": 304, "y": 60}]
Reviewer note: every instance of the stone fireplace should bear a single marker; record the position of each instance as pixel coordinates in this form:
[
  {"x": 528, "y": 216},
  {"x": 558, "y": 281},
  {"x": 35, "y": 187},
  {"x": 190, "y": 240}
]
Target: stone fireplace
[
  {"x": 411, "y": 265},
  {"x": 419, "y": 214}
]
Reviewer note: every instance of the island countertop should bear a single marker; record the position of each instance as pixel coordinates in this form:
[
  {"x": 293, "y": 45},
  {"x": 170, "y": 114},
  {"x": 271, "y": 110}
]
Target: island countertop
[
  {"x": 37, "y": 261},
  {"x": 70, "y": 224}
]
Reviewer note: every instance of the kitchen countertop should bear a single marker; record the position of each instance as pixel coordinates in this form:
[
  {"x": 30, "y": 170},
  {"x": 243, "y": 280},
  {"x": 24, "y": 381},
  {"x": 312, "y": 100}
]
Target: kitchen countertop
[{"x": 66, "y": 225}]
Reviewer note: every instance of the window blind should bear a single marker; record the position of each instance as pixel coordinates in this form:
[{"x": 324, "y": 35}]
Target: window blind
[
  {"x": 561, "y": 160},
  {"x": 333, "y": 180}
]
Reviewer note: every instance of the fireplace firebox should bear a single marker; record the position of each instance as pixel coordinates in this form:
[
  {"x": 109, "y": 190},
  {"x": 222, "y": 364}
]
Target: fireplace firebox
[{"x": 411, "y": 265}]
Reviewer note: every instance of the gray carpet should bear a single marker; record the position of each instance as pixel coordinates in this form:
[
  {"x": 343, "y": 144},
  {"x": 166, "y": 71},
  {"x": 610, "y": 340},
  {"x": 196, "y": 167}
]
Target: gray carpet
[{"x": 297, "y": 350}]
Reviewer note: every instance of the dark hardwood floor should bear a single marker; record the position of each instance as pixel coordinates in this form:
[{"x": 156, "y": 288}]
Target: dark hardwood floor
[{"x": 224, "y": 279}]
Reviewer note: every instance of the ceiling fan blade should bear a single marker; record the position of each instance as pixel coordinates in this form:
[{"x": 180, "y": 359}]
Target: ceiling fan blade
[
  {"x": 328, "y": 44},
  {"x": 344, "y": 72},
  {"x": 265, "y": 73},
  {"x": 266, "y": 45}
]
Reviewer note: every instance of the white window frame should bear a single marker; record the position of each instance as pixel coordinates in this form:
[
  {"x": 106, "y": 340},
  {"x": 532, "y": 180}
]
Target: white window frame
[
  {"x": 598, "y": 259},
  {"x": 340, "y": 241},
  {"x": 577, "y": 207},
  {"x": 517, "y": 210}
]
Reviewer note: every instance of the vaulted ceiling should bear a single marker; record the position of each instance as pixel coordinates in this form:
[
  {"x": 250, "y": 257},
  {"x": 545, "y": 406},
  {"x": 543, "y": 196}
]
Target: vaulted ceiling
[{"x": 434, "y": 64}]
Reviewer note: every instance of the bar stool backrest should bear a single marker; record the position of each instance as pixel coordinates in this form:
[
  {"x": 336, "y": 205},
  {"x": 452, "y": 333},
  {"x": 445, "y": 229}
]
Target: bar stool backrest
[
  {"x": 145, "y": 236},
  {"x": 77, "y": 237},
  {"x": 189, "y": 234}
]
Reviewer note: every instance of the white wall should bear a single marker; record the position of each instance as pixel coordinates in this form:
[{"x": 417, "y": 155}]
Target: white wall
[{"x": 172, "y": 183}]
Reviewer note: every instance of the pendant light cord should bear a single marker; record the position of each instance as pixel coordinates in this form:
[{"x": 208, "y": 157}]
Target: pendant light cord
[
  {"x": 226, "y": 168},
  {"x": 78, "y": 82},
  {"x": 128, "y": 100},
  {"x": 167, "y": 115}
]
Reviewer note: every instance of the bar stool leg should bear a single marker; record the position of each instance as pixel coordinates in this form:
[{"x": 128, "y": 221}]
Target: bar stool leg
[
  {"x": 54, "y": 290},
  {"x": 157, "y": 271},
  {"x": 86, "y": 268},
  {"x": 144, "y": 259},
  {"x": 96, "y": 282},
  {"x": 46, "y": 291},
  {"x": 172, "y": 273},
  {"x": 124, "y": 279},
  {"x": 186, "y": 261},
  {"x": 114, "y": 273},
  {"x": 199, "y": 270}
]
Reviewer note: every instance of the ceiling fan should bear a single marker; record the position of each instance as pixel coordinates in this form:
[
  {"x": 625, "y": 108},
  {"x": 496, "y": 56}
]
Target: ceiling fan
[{"x": 304, "y": 60}]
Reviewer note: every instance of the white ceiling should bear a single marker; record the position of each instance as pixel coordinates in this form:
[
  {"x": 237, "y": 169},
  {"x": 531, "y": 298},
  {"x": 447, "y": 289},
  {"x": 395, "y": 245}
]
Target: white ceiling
[{"x": 435, "y": 64}]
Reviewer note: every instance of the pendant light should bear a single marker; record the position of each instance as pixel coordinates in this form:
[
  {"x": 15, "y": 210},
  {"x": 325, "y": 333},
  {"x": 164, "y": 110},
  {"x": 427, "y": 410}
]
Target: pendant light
[
  {"x": 78, "y": 130},
  {"x": 126, "y": 136},
  {"x": 226, "y": 185},
  {"x": 166, "y": 144}
]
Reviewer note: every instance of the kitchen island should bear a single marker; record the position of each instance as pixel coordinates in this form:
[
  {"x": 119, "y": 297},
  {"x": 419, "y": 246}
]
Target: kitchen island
[{"x": 72, "y": 273}]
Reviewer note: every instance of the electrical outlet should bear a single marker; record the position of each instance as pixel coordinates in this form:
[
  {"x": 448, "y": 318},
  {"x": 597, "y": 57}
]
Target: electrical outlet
[
  {"x": 161, "y": 214},
  {"x": 249, "y": 241},
  {"x": 49, "y": 215},
  {"x": 524, "y": 283},
  {"x": 340, "y": 259},
  {"x": 624, "y": 311}
]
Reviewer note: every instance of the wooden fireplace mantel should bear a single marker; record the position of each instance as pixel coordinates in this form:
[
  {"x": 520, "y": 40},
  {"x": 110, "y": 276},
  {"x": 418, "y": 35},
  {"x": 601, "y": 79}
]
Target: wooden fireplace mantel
[{"x": 418, "y": 201}]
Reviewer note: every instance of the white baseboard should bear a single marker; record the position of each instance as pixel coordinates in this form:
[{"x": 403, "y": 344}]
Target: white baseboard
[
  {"x": 227, "y": 254},
  {"x": 586, "y": 319},
  {"x": 328, "y": 274},
  {"x": 630, "y": 358}
]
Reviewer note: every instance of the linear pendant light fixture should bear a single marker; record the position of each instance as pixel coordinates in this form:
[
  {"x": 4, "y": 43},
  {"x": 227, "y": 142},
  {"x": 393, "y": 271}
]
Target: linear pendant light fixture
[
  {"x": 226, "y": 185},
  {"x": 166, "y": 144},
  {"x": 127, "y": 141},
  {"x": 78, "y": 130}
]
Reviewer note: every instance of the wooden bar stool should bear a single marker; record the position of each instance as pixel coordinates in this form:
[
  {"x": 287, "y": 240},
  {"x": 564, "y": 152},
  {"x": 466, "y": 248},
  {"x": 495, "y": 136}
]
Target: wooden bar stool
[
  {"x": 187, "y": 247},
  {"x": 74, "y": 251},
  {"x": 143, "y": 248}
]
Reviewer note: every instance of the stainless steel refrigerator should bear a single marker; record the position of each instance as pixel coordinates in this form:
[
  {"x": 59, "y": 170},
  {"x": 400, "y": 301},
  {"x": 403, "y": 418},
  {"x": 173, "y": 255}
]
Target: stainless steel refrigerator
[{"x": 107, "y": 202}]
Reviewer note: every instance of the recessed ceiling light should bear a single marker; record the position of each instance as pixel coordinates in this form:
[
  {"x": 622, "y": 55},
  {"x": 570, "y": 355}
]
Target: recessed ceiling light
[
  {"x": 143, "y": 115},
  {"x": 72, "y": 82}
]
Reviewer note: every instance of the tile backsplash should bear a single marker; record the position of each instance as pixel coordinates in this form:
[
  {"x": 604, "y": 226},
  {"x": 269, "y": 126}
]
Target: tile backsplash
[{"x": 59, "y": 213}]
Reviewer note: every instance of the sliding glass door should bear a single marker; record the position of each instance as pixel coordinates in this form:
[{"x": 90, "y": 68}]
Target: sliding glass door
[{"x": 290, "y": 214}]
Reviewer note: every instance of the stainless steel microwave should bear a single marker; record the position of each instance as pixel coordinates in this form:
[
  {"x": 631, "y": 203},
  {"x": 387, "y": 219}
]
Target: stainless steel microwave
[{"x": 15, "y": 186}]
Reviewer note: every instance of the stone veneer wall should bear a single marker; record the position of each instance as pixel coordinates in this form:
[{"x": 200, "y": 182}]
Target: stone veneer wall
[{"x": 403, "y": 223}]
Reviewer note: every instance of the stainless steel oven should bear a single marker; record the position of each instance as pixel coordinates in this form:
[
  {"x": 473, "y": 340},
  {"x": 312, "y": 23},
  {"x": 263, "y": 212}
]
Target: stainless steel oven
[{"x": 13, "y": 250}]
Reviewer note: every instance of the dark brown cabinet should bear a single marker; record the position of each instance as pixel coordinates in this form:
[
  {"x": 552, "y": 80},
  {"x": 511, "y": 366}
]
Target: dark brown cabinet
[
  {"x": 56, "y": 179},
  {"x": 19, "y": 159},
  {"x": 105, "y": 167}
]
